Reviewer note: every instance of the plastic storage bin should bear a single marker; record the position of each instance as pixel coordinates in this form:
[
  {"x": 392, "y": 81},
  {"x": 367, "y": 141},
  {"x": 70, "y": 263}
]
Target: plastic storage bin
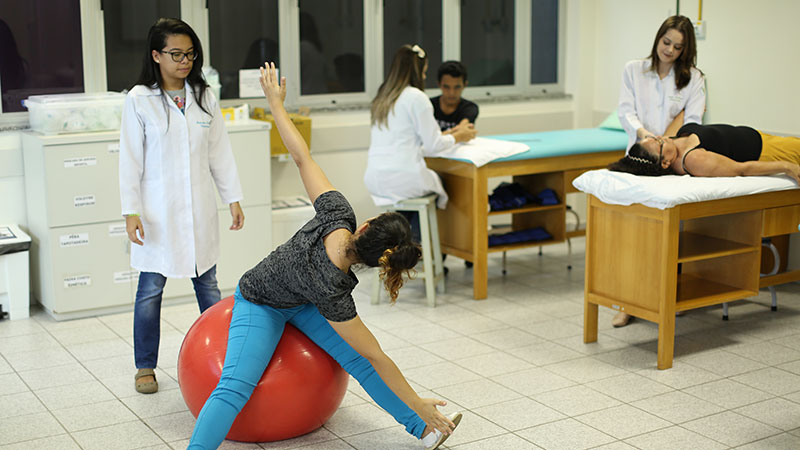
[{"x": 74, "y": 113}]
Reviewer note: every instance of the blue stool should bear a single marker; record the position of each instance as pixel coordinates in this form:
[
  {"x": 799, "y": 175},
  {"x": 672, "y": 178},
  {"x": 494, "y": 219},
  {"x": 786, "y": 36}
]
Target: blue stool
[{"x": 433, "y": 269}]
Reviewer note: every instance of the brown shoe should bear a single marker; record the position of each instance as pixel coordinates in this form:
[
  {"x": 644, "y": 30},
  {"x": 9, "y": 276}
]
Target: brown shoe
[
  {"x": 621, "y": 319},
  {"x": 143, "y": 386}
]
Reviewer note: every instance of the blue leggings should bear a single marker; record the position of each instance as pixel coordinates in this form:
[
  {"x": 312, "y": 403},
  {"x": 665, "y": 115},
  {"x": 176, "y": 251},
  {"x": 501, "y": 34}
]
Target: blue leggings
[{"x": 253, "y": 335}]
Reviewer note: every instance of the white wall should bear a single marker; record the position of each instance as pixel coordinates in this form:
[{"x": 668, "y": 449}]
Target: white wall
[
  {"x": 748, "y": 56},
  {"x": 12, "y": 181}
]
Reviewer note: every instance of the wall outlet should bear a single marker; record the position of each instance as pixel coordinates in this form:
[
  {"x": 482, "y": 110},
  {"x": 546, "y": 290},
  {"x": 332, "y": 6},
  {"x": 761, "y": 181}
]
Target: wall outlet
[{"x": 700, "y": 29}]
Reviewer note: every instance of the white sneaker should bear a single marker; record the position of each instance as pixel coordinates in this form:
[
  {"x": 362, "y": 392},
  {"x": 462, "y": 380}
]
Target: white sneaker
[{"x": 434, "y": 440}]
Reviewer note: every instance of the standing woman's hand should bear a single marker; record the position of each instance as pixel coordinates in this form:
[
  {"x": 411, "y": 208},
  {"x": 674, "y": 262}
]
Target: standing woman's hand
[
  {"x": 237, "y": 215},
  {"x": 274, "y": 89},
  {"x": 132, "y": 225}
]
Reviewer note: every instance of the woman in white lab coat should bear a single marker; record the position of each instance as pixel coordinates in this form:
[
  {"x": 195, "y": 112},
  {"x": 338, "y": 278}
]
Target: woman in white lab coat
[
  {"x": 663, "y": 92},
  {"x": 173, "y": 149},
  {"x": 404, "y": 131}
]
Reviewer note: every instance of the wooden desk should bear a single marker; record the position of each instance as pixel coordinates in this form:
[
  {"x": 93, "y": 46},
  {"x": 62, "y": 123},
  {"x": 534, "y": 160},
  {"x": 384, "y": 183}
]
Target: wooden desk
[
  {"x": 633, "y": 252},
  {"x": 463, "y": 226}
]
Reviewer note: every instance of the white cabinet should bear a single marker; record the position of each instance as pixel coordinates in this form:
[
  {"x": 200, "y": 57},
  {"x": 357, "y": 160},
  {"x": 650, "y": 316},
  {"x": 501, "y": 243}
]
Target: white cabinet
[{"x": 80, "y": 253}]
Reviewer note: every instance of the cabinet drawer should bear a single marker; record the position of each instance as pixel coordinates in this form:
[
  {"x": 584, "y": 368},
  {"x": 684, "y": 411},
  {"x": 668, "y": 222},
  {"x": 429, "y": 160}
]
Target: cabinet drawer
[
  {"x": 91, "y": 267},
  {"x": 82, "y": 183},
  {"x": 778, "y": 221}
]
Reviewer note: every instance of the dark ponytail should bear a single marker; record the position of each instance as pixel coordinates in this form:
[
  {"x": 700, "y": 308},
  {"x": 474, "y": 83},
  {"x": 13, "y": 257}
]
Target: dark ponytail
[{"x": 387, "y": 243}]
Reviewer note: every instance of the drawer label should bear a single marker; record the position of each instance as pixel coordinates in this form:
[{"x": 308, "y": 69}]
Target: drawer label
[
  {"x": 113, "y": 148},
  {"x": 74, "y": 239},
  {"x": 77, "y": 280},
  {"x": 84, "y": 200},
  {"x": 80, "y": 162},
  {"x": 117, "y": 229},
  {"x": 126, "y": 276}
]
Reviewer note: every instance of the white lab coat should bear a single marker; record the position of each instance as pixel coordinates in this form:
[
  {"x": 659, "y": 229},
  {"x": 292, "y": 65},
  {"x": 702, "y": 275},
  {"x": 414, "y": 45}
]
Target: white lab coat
[
  {"x": 396, "y": 167},
  {"x": 645, "y": 101},
  {"x": 165, "y": 176}
]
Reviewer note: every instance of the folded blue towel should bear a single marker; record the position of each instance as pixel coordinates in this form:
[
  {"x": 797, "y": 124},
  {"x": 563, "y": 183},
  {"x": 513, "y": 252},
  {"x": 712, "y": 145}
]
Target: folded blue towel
[
  {"x": 528, "y": 235},
  {"x": 547, "y": 197},
  {"x": 509, "y": 196}
]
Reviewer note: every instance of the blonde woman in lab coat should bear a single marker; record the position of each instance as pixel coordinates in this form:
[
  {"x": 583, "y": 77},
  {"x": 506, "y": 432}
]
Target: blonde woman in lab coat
[
  {"x": 173, "y": 149},
  {"x": 663, "y": 92},
  {"x": 404, "y": 131}
]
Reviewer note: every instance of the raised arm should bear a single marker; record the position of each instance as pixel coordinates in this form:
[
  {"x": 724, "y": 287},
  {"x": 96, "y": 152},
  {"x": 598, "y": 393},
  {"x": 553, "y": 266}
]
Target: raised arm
[
  {"x": 313, "y": 177},
  {"x": 703, "y": 163},
  {"x": 361, "y": 339}
]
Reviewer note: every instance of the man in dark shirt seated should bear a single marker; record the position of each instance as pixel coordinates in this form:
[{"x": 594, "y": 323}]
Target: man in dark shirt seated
[{"x": 450, "y": 109}]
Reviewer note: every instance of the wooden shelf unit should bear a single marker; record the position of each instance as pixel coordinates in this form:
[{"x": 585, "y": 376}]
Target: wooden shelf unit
[
  {"x": 633, "y": 255},
  {"x": 463, "y": 225}
]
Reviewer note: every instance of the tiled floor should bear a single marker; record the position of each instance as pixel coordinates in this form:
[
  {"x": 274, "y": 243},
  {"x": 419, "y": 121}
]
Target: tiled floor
[{"x": 514, "y": 363}]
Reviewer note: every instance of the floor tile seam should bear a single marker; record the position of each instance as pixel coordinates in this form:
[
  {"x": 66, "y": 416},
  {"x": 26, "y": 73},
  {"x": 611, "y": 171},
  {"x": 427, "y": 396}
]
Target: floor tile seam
[
  {"x": 778, "y": 431},
  {"x": 472, "y": 411},
  {"x": 480, "y": 377},
  {"x": 48, "y": 412},
  {"x": 58, "y": 344},
  {"x": 70, "y": 432},
  {"x": 735, "y": 411},
  {"x": 765, "y": 366},
  {"x": 582, "y": 383},
  {"x": 771, "y": 395},
  {"x": 362, "y": 433},
  {"x": 576, "y": 418},
  {"x": 762, "y": 362},
  {"x": 677, "y": 426},
  {"x": 50, "y": 332},
  {"x": 784, "y": 396},
  {"x": 762, "y": 439},
  {"x": 66, "y": 433},
  {"x": 496, "y": 352}
]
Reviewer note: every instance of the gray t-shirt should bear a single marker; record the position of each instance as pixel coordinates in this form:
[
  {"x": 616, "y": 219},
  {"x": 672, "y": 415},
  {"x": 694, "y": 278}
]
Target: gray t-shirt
[{"x": 300, "y": 271}]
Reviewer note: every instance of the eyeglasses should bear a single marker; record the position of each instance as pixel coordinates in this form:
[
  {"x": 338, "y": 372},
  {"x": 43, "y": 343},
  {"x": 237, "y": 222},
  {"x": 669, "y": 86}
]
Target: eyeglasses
[
  {"x": 178, "y": 56},
  {"x": 660, "y": 149}
]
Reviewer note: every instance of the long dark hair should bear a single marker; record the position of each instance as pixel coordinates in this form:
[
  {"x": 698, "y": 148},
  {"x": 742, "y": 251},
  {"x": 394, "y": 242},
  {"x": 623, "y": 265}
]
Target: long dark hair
[
  {"x": 639, "y": 162},
  {"x": 688, "y": 58},
  {"x": 406, "y": 70},
  {"x": 387, "y": 243},
  {"x": 156, "y": 40}
]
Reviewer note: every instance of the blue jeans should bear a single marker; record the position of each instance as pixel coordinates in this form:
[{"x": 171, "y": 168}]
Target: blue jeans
[
  {"x": 147, "y": 311},
  {"x": 253, "y": 335}
]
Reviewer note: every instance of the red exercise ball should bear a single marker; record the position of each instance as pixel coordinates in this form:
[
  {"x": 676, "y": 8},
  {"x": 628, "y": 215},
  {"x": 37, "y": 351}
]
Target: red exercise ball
[{"x": 300, "y": 390}]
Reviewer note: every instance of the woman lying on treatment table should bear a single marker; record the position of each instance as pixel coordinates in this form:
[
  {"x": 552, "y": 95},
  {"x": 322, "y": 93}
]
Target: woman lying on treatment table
[{"x": 713, "y": 151}]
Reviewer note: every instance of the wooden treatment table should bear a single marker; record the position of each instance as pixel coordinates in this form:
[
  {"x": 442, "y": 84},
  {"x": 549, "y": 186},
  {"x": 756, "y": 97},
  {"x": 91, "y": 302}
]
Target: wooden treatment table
[
  {"x": 555, "y": 159},
  {"x": 633, "y": 252}
]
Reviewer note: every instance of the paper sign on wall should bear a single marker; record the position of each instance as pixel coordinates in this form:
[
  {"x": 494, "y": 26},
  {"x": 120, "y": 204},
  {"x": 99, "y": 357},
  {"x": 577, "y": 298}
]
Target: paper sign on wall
[
  {"x": 113, "y": 148},
  {"x": 74, "y": 239},
  {"x": 126, "y": 276},
  {"x": 117, "y": 229},
  {"x": 84, "y": 200},
  {"x": 77, "y": 280},
  {"x": 249, "y": 84},
  {"x": 80, "y": 162}
]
